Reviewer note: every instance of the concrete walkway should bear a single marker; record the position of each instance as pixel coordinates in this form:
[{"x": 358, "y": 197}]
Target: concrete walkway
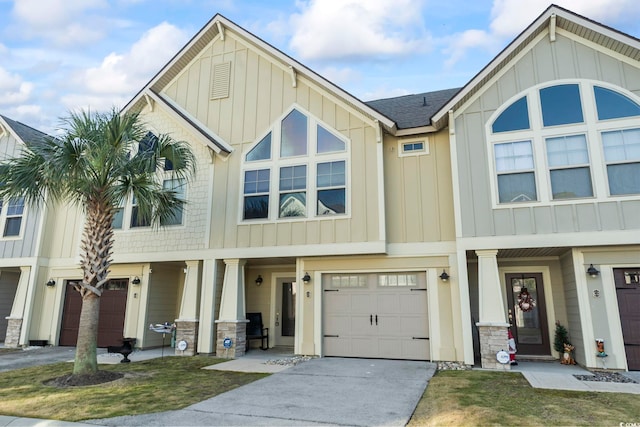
[
  {"x": 325, "y": 391},
  {"x": 555, "y": 376}
]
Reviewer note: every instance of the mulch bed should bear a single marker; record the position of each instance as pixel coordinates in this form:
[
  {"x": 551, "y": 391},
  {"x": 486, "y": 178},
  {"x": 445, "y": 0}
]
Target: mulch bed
[
  {"x": 71, "y": 380},
  {"x": 608, "y": 377}
]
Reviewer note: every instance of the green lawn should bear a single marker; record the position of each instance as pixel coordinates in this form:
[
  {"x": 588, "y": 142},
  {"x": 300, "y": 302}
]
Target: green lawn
[
  {"x": 473, "y": 398},
  {"x": 150, "y": 386}
]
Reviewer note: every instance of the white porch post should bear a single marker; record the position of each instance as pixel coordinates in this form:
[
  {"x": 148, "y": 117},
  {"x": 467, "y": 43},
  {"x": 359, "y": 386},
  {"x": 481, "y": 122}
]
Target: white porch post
[
  {"x": 15, "y": 320},
  {"x": 187, "y": 323},
  {"x": 232, "y": 321},
  {"x": 492, "y": 324},
  {"x": 208, "y": 289}
]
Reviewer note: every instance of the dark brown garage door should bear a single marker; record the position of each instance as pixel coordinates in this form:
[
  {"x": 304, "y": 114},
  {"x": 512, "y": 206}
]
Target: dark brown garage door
[
  {"x": 113, "y": 303},
  {"x": 628, "y": 290}
]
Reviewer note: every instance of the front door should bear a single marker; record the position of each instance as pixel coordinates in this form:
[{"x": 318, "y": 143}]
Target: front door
[
  {"x": 628, "y": 291},
  {"x": 285, "y": 321},
  {"x": 527, "y": 313}
]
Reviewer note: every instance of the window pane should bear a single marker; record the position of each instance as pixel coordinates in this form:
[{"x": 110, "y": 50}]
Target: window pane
[
  {"x": 517, "y": 187},
  {"x": 331, "y": 201},
  {"x": 621, "y": 145},
  {"x": 293, "y": 204},
  {"x": 12, "y": 226},
  {"x": 624, "y": 179},
  {"x": 256, "y": 181},
  {"x": 15, "y": 206},
  {"x": 614, "y": 105},
  {"x": 328, "y": 142},
  {"x": 178, "y": 186},
  {"x": 118, "y": 218},
  {"x": 331, "y": 174},
  {"x": 136, "y": 218},
  {"x": 256, "y": 207},
  {"x": 561, "y": 105},
  {"x": 262, "y": 151},
  {"x": 513, "y": 156},
  {"x": 294, "y": 135},
  {"x": 515, "y": 117},
  {"x": 567, "y": 150},
  {"x": 293, "y": 178},
  {"x": 571, "y": 183}
]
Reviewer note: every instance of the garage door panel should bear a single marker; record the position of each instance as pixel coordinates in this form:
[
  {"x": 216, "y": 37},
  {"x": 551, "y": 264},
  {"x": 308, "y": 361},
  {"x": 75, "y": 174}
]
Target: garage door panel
[
  {"x": 413, "y": 302},
  {"x": 388, "y": 303},
  {"x": 415, "y": 349},
  {"x": 338, "y": 324},
  {"x": 361, "y": 325},
  {"x": 338, "y": 303},
  {"x": 414, "y": 326},
  {"x": 361, "y": 303}
]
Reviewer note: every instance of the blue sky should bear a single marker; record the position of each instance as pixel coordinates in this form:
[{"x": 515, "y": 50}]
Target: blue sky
[{"x": 61, "y": 55}]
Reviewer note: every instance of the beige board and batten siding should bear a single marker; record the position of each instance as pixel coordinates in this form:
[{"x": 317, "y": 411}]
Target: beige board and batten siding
[
  {"x": 418, "y": 190},
  {"x": 261, "y": 93},
  {"x": 162, "y": 301},
  {"x": 23, "y": 245},
  {"x": 544, "y": 62}
]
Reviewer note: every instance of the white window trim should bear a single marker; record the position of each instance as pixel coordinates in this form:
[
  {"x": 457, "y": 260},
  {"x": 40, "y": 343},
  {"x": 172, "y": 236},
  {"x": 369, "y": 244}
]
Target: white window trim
[
  {"x": 591, "y": 128},
  {"x": 311, "y": 160},
  {"x": 3, "y": 222},
  {"x": 424, "y": 152}
]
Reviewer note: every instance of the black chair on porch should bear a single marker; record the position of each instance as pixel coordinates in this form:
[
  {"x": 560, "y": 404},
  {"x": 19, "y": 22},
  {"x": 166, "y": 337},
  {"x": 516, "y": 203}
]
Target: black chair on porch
[{"x": 257, "y": 331}]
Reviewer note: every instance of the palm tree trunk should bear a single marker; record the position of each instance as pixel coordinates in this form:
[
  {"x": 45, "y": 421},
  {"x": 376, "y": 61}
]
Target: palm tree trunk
[
  {"x": 86, "y": 361},
  {"x": 97, "y": 243}
]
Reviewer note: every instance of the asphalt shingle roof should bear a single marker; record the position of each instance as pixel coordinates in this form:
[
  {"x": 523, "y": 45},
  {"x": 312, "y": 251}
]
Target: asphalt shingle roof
[
  {"x": 410, "y": 111},
  {"x": 26, "y": 133}
]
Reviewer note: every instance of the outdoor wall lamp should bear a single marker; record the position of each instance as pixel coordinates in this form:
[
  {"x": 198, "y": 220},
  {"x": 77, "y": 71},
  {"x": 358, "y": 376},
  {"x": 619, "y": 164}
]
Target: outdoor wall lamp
[
  {"x": 259, "y": 280},
  {"x": 136, "y": 280},
  {"x": 306, "y": 278},
  {"x": 592, "y": 271},
  {"x": 444, "y": 276},
  {"x": 51, "y": 283}
]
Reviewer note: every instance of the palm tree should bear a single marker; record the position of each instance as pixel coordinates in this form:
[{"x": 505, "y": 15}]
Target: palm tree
[{"x": 100, "y": 160}]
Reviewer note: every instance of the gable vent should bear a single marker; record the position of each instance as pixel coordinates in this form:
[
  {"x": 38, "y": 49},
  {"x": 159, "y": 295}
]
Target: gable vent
[{"x": 221, "y": 80}]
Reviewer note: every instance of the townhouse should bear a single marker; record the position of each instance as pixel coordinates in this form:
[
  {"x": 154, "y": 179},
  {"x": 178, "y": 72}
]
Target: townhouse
[{"x": 417, "y": 227}]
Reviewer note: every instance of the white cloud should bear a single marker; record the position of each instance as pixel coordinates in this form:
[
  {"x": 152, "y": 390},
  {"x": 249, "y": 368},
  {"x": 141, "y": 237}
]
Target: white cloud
[
  {"x": 60, "y": 22},
  {"x": 13, "y": 89},
  {"x": 510, "y": 17},
  {"x": 355, "y": 29},
  {"x": 340, "y": 76},
  {"x": 120, "y": 75}
]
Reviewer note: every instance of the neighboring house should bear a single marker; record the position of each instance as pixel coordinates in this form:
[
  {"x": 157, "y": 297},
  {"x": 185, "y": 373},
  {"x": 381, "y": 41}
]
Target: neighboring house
[
  {"x": 402, "y": 228},
  {"x": 545, "y": 145},
  {"x": 21, "y": 230}
]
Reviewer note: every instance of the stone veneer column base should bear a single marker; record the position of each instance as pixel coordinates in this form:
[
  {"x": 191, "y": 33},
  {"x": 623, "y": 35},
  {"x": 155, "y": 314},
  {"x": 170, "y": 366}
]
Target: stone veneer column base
[
  {"x": 237, "y": 331},
  {"x": 187, "y": 330},
  {"x": 493, "y": 338},
  {"x": 12, "y": 340}
]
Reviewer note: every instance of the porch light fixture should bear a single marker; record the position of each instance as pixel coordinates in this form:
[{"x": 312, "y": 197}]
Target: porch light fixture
[
  {"x": 259, "y": 280},
  {"x": 136, "y": 280},
  {"x": 306, "y": 278},
  {"x": 51, "y": 283},
  {"x": 444, "y": 276},
  {"x": 592, "y": 271}
]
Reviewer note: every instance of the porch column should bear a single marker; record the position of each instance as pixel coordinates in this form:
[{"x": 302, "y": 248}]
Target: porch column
[
  {"x": 232, "y": 322},
  {"x": 492, "y": 325},
  {"x": 187, "y": 323},
  {"x": 208, "y": 314},
  {"x": 16, "y": 318}
]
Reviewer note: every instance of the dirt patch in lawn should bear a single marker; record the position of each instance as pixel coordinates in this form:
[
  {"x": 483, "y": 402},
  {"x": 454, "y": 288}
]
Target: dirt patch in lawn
[{"x": 99, "y": 377}]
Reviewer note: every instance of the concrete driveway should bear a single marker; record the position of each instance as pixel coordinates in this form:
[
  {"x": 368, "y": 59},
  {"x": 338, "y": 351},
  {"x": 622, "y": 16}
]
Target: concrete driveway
[
  {"x": 325, "y": 391},
  {"x": 35, "y": 356}
]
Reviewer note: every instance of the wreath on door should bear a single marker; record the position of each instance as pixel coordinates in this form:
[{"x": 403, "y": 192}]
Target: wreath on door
[{"x": 525, "y": 300}]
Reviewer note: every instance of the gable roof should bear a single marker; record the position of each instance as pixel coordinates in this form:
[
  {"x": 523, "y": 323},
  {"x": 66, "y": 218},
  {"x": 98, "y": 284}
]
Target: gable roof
[
  {"x": 217, "y": 27},
  {"x": 556, "y": 17},
  {"x": 20, "y": 131},
  {"x": 413, "y": 111}
]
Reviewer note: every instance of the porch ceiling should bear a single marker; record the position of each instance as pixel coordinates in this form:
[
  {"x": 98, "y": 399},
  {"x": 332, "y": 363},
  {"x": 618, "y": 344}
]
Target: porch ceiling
[{"x": 525, "y": 253}]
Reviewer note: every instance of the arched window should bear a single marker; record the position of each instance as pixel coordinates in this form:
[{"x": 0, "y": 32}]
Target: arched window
[
  {"x": 545, "y": 144},
  {"x": 297, "y": 170}
]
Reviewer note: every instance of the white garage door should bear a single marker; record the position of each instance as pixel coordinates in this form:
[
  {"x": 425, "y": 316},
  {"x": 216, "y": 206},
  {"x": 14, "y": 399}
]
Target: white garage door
[{"x": 381, "y": 315}]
